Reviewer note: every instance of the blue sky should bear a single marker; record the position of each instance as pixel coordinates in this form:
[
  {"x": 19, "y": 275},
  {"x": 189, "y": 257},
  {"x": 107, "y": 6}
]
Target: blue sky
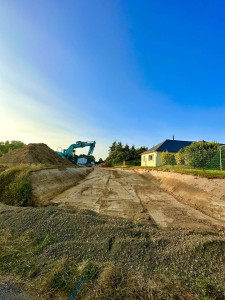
[{"x": 135, "y": 71}]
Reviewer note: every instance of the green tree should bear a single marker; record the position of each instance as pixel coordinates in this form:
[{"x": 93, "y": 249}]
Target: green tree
[
  {"x": 132, "y": 154},
  {"x": 112, "y": 148},
  {"x": 16, "y": 144},
  {"x": 139, "y": 151},
  {"x": 7, "y": 146},
  {"x": 118, "y": 153}
]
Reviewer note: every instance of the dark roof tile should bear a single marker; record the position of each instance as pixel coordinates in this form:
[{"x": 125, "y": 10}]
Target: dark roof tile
[{"x": 169, "y": 145}]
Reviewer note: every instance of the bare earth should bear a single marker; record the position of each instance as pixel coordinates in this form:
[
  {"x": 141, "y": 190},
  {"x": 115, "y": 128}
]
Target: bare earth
[
  {"x": 48, "y": 183},
  {"x": 131, "y": 195},
  {"x": 204, "y": 194}
]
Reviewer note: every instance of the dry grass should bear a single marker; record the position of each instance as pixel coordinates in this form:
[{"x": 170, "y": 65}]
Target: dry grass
[{"x": 49, "y": 249}]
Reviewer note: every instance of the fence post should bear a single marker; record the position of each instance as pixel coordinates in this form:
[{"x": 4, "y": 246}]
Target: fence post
[{"x": 221, "y": 166}]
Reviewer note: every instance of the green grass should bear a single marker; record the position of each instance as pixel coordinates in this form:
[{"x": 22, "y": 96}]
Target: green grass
[
  {"x": 184, "y": 170},
  {"x": 15, "y": 186},
  {"x": 49, "y": 249}
]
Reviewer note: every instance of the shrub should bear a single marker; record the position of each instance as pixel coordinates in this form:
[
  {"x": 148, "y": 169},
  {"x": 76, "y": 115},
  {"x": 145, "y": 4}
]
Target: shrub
[
  {"x": 180, "y": 157},
  {"x": 18, "y": 193},
  {"x": 15, "y": 187},
  {"x": 168, "y": 158},
  {"x": 198, "y": 154}
]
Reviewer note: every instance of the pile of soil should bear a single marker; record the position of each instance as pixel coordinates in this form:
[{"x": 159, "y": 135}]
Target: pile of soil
[
  {"x": 33, "y": 154},
  {"x": 105, "y": 165}
]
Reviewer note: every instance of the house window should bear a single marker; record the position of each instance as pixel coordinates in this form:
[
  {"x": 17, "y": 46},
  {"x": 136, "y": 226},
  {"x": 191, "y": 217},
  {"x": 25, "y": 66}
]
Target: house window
[{"x": 150, "y": 157}]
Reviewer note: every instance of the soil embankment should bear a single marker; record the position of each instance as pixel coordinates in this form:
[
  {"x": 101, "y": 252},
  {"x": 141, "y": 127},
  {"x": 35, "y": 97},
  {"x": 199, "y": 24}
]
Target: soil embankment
[
  {"x": 34, "y": 174},
  {"x": 48, "y": 183},
  {"x": 204, "y": 194}
]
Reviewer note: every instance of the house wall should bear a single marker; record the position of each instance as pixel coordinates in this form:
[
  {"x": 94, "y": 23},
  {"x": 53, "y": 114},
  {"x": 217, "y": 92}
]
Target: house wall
[{"x": 155, "y": 162}]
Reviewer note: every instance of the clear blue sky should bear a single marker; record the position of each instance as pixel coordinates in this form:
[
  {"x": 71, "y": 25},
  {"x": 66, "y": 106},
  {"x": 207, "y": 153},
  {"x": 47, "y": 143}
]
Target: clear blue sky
[{"x": 135, "y": 71}]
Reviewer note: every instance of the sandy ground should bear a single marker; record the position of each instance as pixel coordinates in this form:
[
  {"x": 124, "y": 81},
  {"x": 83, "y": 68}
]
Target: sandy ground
[
  {"x": 204, "y": 194},
  {"x": 50, "y": 182},
  {"x": 128, "y": 194}
]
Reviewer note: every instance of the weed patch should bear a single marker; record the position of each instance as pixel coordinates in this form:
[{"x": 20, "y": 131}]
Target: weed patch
[
  {"x": 52, "y": 248},
  {"x": 15, "y": 186}
]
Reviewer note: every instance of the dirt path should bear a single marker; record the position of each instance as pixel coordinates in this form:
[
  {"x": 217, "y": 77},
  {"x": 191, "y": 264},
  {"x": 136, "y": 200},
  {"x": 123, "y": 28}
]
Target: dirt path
[{"x": 127, "y": 194}]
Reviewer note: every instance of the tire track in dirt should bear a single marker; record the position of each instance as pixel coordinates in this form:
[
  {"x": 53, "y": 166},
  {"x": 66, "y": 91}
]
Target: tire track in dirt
[{"x": 130, "y": 195}]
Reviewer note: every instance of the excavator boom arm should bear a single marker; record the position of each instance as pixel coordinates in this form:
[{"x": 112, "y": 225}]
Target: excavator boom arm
[{"x": 80, "y": 144}]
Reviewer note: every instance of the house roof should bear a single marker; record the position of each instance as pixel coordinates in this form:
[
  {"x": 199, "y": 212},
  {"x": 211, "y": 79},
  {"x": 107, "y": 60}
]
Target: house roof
[{"x": 169, "y": 145}]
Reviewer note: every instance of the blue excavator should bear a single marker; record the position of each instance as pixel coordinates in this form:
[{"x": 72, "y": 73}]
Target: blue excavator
[{"x": 70, "y": 152}]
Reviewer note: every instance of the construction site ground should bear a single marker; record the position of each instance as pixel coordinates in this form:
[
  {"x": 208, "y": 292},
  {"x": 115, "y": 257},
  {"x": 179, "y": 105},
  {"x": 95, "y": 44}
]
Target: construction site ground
[
  {"x": 139, "y": 197},
  {"x": 136, "y": 234}
]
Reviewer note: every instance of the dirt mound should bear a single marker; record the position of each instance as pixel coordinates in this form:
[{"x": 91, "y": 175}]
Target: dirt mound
[
  {"x": 33, "y": 154},
  {"x": 105, "y": 165}
]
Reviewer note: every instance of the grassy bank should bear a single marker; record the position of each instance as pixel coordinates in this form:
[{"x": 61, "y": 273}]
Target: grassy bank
[
  {"x": 183, "y": 170},
  {"x": 48, "y": 249},
  {"x": 15, "y": 186}
]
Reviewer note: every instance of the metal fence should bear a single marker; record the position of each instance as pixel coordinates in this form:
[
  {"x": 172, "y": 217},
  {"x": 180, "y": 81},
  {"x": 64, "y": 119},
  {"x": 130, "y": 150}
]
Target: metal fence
[
  {"x": 217, "y": 160},
  {"x": 209, "y": 158}
]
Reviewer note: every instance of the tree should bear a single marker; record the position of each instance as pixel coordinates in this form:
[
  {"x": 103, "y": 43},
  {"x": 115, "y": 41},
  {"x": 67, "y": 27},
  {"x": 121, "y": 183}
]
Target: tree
[
  {"x": 139, "y": 151},
  {"x": 16, "y": 144},
  {"x": 7, "y": 146},
  {"x": 118, "y": 153},
  {"x": 132, "y": 154},
  {"x": 112, "y": 148}
]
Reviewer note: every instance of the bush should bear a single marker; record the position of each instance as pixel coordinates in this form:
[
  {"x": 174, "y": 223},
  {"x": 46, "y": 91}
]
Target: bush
[
  {"x": 198, "y": 154},
  {"x": 15, "y": 187},
  {"x": 168, "y": 158},
  {"x": 180, "y": 157},
  {"x": 18, "y": 193}
]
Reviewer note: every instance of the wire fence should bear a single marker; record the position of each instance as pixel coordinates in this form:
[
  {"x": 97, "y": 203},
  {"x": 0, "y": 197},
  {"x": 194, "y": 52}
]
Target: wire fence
[
  {"x": 202, "y": 158},
  {"x": 217, "y": 161}
]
